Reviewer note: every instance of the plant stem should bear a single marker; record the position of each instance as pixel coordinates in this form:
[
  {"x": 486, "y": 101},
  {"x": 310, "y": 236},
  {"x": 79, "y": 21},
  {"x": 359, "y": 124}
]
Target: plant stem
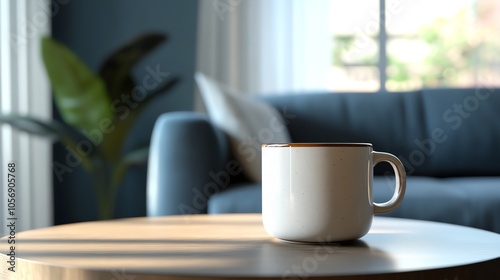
[{"x": 102, "y": 188}]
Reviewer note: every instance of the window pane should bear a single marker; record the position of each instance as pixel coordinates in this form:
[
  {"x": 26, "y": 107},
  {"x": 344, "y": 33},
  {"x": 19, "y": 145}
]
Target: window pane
[
  {"x": 354, "y": 27},
  {"x": 452, "y": 44},
  {"x": 354, "y": 16}
]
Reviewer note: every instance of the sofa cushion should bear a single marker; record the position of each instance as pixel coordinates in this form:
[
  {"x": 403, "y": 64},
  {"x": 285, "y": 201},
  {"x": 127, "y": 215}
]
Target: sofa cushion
[
  {"x": 470, "y": 121},
  {"x": 241, "y": 198},
  {"x": 466, "y": 201},
  {"x": 247, "y": 122},
  {"x": 470, "y": 201},
  {"x": 439, "y": 133}
]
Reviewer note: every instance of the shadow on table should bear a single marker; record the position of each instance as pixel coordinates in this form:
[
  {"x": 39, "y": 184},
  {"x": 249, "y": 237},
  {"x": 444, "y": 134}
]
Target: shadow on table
[{"x": 299, "y": 261}]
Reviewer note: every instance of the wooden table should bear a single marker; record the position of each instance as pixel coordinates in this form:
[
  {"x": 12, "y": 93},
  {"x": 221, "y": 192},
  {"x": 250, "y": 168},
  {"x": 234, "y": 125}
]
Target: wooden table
[{"x": 236, "y": 246}]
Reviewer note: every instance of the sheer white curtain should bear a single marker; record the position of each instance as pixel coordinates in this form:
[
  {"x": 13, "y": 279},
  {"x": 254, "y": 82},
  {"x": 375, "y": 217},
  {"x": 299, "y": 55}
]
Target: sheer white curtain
[
  {"x": 265, "y": 46},
  {"x": 24, "y": 89}
]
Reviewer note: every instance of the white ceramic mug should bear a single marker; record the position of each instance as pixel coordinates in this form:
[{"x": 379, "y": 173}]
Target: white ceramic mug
[{"x": 322, "y": 192}]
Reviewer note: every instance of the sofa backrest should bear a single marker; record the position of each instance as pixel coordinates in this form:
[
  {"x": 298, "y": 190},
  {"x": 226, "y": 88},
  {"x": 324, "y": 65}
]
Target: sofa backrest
[{"x": 441, "y": 132}]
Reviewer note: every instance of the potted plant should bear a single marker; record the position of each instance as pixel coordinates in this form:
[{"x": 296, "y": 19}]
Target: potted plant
[{"x": 85, "y": 100}]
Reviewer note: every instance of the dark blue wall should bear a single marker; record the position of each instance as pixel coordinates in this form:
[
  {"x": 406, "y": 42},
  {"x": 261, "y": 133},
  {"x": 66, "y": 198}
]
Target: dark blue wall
[{"x": 93, "y": 29}]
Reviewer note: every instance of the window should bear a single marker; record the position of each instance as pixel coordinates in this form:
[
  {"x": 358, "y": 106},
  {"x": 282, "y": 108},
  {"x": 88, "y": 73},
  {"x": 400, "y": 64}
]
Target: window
[
  {"x": 24, "y": 90},
  {"x": 422, "y": 44}
]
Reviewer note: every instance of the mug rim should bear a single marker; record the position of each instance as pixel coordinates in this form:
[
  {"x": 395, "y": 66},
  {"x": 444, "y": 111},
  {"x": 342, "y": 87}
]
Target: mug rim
[{"x": 340, "y": 144}]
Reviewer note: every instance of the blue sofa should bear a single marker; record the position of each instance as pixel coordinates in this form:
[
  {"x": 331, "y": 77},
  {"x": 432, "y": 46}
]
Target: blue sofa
[{"x": 448, "y": 140}]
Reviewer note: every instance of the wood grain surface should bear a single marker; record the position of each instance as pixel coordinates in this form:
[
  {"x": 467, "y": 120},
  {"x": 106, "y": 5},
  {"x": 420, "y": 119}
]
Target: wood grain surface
[{"x": 236, "y": 246}]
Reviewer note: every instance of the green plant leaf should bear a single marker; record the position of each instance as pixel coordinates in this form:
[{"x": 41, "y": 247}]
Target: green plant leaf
[
  {"x": 163, "y": 88},
  {"x": 80, "y": 95},
  {"x": 113, "y": 141},
  {"x": 55, "y": 131},
  {"x": 116, "y": 70},
  {"x": 32, "y": 125}
]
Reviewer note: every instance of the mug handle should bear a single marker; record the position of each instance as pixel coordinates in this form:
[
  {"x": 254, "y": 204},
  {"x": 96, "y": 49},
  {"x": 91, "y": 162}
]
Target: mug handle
[{"x": 399, "y": 191}]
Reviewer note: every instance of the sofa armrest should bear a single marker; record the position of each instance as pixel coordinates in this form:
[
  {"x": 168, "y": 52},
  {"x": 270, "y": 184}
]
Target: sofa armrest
[{"x": 186, "y": 150}]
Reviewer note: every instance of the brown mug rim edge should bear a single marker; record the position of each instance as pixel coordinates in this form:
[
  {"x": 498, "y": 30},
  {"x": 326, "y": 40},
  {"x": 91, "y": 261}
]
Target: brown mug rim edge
[{"x": 287, "y": 145}]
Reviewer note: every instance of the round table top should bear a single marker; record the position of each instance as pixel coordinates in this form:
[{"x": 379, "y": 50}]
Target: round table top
[{"x": 236, "y": 246}]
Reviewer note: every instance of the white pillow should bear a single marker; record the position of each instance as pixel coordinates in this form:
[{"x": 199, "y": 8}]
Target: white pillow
[{"x": 248, "y": 123}]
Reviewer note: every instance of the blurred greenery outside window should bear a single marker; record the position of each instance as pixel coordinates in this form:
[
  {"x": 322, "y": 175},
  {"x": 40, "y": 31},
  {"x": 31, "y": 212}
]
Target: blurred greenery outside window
[{"x": 423, "y": 44}]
